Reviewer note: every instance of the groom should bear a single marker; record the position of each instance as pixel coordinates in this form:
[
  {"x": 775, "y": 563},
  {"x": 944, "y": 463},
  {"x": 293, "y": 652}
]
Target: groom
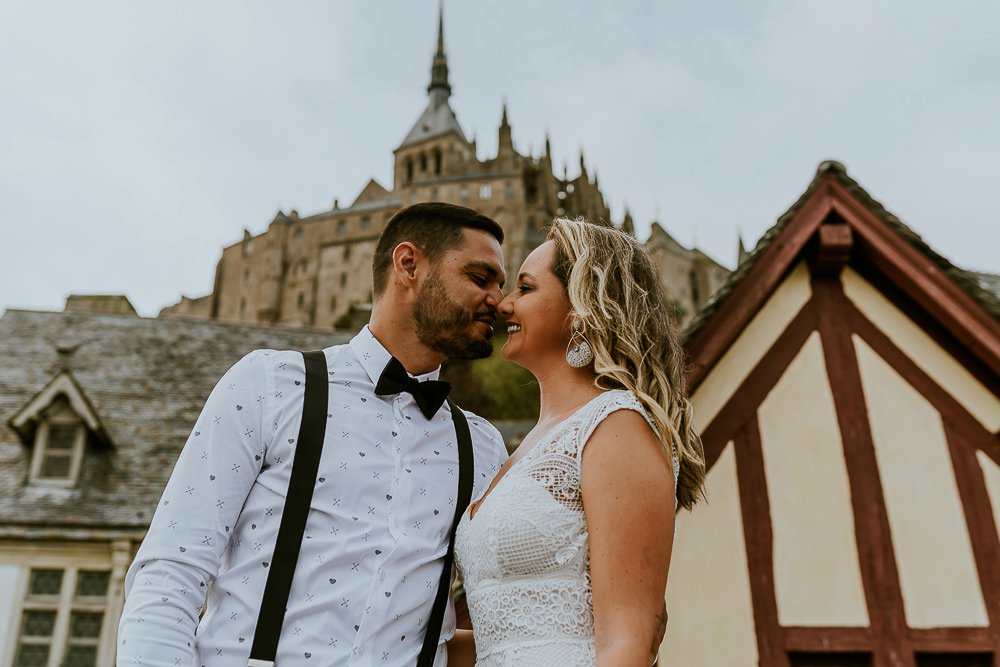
[{"x": 379, "y": 522}]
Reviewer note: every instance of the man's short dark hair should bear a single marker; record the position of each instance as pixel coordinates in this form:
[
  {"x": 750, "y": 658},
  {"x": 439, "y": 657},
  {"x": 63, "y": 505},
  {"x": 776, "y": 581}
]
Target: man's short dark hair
[{"x": 434, "y": 227}]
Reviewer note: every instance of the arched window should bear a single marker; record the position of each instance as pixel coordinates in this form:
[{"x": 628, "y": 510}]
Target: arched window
[
  {"x": 437, "y": 161},
  {"x": 409, "y": 170}
]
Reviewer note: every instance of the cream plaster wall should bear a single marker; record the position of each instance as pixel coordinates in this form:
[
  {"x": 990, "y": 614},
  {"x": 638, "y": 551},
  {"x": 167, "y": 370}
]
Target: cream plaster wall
[
  {"x": 937, "y": 571},
  {"x": 10, "y": 584},
  {"x": 924, "y": 351},
  {"x": 751, "y": 345},
  {"x": 708, "y": 594},
  {"x": 816, "y": 568},
  {"x": 991, "y": 473}
]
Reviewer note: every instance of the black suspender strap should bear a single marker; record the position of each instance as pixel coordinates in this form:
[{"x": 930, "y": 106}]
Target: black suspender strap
[
  {"x": 305, "y": 465},
  {"x": 466, "y": 466}
]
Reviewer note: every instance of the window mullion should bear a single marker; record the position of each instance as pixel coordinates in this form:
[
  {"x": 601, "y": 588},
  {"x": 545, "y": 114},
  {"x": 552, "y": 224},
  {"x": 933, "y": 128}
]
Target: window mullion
[
  {"x": 77, "y": 452},
  {"x": 61, "y": 632}
]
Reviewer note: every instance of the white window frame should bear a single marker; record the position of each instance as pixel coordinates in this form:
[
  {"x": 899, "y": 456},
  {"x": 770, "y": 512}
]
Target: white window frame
[
  {"x": 41, "y": 449},
  {"x": 485, "y": 191},
  {"x": 64, "y": 604}
]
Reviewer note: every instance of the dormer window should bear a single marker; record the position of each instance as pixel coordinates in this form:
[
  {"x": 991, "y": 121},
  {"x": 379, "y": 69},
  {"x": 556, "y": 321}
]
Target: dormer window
[
  {"x": 59, "y": 442},
  {"x": 57, "y": 424}
]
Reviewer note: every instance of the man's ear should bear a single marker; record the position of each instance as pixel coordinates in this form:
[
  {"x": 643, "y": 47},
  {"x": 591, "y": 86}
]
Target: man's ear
[{"x": 406, "y": 261}]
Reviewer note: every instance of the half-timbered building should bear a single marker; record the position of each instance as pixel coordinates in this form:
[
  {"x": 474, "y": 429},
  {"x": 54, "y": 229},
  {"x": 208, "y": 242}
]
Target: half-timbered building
[{"x": 846, "y": 382}]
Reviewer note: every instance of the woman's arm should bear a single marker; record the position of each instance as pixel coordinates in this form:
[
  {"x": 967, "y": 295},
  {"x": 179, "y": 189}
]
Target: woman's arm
[
  {"x": 462, "y": 649},
  {"x": 628, "y": 499}
]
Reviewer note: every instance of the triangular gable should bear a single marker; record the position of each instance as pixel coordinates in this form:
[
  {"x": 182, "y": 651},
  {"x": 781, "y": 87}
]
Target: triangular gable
[
  {"x": 846, "y": 362},
  {"x": 371, "y": 192},
  {"x": 63, "y": 384},
  {"x": 949, "y": 295}
]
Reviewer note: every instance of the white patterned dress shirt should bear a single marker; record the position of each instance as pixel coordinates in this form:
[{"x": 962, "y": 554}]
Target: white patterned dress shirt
[{"x": 375, "y": 538}]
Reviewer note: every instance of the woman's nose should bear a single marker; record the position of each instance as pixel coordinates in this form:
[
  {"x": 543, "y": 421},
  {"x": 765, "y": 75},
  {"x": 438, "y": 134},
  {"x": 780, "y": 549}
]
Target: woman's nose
[{"x": 506, "y": 306}]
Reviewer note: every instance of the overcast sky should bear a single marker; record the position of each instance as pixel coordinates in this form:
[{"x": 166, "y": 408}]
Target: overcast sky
[{"x": 137, "y": 139}]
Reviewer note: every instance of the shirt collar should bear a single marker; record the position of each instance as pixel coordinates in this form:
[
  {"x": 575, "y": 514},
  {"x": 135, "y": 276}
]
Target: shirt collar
[{"x": 374, "y": 357}]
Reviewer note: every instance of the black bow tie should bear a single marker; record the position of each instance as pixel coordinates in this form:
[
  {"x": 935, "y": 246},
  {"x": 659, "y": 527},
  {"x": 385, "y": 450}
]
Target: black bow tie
[{"x": 429, "y": 395}]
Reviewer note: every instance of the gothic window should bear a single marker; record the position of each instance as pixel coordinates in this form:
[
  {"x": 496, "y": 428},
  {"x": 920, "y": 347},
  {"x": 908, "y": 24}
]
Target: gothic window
[
  {"x": 347, "y": 252},
  {"x": 62, "y": 615},
  {"x": 485, "y": 191},
  {"x": 508, "y": 190},
  {"x": 437, "y": 161},
  {"x": 343, "y": 280},
  {"x": 366, "y": 222},
  {"x": 409, "y": 170},
  {"x": 342, "y": 227},
  {"x": 423, "y": 162},
  {"x": 302, "y": 299}
]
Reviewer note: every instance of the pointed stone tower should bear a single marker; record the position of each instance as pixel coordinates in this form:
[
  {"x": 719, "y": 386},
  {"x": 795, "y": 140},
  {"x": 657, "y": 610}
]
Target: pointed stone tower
[{"x": 436, "y": 144}]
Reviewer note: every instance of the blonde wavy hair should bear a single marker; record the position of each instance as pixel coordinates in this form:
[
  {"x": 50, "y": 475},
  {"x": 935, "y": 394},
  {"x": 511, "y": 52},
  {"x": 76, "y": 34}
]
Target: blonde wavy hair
[{"x": 626, "y": 316}]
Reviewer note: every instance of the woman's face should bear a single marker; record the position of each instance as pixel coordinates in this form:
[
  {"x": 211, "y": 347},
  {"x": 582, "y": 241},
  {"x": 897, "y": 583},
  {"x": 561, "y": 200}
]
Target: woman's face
[{"x": 537, "y": 311}]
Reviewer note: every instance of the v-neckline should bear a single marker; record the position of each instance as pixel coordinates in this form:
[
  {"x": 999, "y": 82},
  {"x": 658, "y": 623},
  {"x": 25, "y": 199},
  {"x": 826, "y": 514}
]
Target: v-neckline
[{"x": 477, "y": 505}]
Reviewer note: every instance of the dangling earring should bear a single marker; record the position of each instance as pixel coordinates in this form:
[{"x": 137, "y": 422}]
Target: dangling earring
[{"x": 578, "y": 350}]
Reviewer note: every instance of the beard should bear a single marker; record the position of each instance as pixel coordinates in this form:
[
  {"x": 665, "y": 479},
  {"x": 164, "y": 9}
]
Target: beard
[{"x": 444, "y": 326}]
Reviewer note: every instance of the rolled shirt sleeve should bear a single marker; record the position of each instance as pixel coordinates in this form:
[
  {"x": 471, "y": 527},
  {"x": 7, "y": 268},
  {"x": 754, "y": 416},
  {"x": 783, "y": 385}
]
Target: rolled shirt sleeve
[{"x": 189, "y": 535}]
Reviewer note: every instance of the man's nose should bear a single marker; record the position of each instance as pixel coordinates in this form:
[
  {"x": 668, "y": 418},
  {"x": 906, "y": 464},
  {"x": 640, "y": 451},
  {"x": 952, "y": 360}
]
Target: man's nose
[{"x": 494, "y": 297}]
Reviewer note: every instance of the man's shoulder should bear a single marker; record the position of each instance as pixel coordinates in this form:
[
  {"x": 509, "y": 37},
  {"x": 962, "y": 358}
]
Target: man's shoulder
[
  {"x": 486, "y": 437},
  {"x": 285, "y": 360}
]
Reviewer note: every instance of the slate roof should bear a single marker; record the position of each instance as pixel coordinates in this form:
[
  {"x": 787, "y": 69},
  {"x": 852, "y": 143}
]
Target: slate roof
[
  {"x": 438, "y": 118},
  {"x": 147, "y": 380},
  {"x": 983, "y": 288}
]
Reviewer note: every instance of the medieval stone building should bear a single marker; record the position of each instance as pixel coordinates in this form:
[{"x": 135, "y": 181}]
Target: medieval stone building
[{"x": 311, "y": 271}]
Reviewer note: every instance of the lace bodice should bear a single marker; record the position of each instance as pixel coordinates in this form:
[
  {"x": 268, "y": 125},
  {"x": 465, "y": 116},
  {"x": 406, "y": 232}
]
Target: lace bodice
[{"x": 524, "y": 557}]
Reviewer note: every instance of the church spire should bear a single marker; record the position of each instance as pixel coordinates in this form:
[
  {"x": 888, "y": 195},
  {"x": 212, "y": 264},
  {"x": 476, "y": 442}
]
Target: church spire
[{"x": 439, "y": 88}]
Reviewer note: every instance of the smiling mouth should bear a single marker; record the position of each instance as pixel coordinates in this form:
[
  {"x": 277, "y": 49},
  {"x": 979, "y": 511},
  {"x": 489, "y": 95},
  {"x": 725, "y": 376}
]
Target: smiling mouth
[{"x": 513, "y": 328}]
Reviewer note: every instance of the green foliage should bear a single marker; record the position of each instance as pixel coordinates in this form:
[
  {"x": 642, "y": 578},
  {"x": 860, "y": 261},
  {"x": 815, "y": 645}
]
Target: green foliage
[
  {"x": 677, "y": 309},
  {"x": 493, "y": 388}
]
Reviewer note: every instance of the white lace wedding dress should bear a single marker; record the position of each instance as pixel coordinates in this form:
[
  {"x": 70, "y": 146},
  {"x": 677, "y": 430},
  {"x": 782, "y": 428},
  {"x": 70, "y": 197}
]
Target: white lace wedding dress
[{"x": 524, "y": 557}]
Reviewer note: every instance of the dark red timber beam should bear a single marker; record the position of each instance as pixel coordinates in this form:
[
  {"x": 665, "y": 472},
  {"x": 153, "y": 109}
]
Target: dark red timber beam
[
  {"x": 965, "y": 435},
  {"x": 759, "y": 539},
  {"x": 879, "y": 573}
]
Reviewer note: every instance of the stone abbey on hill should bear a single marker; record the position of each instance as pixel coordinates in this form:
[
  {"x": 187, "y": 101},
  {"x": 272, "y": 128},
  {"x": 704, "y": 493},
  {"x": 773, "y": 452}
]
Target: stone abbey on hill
[{"x": 314, "y": 271}]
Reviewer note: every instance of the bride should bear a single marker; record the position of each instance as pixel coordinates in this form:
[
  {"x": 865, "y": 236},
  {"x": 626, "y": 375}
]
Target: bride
[{"x": 565, "y": 555}]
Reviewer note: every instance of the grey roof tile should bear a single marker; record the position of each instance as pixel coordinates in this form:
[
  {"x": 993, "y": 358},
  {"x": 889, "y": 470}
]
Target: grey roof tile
[{"x": 146, "y": 378}]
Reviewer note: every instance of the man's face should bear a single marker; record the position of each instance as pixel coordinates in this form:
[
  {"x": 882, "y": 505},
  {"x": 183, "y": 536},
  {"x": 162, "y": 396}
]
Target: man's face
[{"x": 456, "y": 306}]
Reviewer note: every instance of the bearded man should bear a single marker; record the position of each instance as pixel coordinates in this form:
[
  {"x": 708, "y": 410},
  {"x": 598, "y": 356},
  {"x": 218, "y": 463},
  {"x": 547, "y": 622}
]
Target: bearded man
[{"x": 373, "y": 553}]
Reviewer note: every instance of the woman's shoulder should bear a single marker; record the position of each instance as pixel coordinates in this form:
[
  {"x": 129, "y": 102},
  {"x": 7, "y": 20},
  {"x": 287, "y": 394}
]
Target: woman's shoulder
[{"x": 613, "y": 400}]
